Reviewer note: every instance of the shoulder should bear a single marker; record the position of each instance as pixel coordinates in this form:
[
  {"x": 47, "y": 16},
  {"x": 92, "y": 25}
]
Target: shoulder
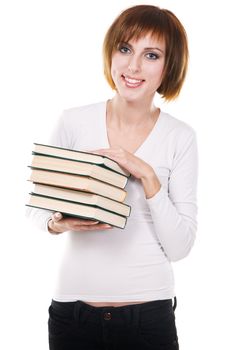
[
  {"x": 176, "y": 128},
  {"x": 84, "y": 113},
  {"x": 78, "y": 125}
]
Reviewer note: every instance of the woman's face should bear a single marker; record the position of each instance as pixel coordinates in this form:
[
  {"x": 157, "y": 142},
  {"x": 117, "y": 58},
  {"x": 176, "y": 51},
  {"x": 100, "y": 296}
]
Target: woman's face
[{"x": 137, "y": 68}]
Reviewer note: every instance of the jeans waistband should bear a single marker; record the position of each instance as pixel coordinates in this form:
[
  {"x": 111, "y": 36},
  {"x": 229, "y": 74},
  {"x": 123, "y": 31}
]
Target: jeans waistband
[{"x": 79, "y": 310}]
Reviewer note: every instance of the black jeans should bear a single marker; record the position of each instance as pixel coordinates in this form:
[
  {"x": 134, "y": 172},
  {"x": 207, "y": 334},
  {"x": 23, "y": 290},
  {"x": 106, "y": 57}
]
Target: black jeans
[{"x": 78, "y": 326}]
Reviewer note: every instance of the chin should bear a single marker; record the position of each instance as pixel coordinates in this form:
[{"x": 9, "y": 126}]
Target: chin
[{"x": 129, "y": 95}]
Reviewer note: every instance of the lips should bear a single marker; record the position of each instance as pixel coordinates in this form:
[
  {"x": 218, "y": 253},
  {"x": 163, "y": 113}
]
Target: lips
[{"x": 132, "y": 82}]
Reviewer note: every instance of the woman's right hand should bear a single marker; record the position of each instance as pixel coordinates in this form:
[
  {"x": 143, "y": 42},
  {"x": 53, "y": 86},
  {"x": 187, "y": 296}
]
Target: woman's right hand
[{"x": 59, "y": 224}]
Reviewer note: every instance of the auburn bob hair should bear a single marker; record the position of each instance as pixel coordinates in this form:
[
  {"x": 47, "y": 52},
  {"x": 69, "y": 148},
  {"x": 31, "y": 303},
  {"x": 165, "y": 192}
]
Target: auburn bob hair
[{"x": 138, "y": 21}]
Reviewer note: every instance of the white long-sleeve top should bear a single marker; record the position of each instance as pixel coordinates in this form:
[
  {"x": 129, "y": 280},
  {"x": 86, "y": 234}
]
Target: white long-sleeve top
[{"x": 133, "y": 264}]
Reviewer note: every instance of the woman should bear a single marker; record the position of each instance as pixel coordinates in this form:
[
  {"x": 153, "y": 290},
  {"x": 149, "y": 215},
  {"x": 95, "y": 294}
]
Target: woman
[{"x": 116, "y": 287}]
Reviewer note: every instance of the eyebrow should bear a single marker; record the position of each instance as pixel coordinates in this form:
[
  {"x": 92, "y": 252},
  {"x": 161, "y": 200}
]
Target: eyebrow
[
  {"x": 153, "y": 48},
  {"x": 146, "y": 48}
]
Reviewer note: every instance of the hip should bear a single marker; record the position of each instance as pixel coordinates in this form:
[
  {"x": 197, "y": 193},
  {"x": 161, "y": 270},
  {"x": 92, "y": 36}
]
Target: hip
[{"x": 146, "y": 325}]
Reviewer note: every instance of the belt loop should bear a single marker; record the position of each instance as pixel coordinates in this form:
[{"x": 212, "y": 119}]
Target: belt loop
[
  {"x": 175, "y": 304},
  {"x": 135, "y": 314},
  {"x": 82, "y": 311},
  {"x": 77, "y": 307}
]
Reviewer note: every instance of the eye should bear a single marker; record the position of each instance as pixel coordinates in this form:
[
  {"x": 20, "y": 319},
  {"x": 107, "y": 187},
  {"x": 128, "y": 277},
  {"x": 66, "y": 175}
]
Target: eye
[
  {"x": 124, "y": 49},
  {"x": 152, "y": 56}
]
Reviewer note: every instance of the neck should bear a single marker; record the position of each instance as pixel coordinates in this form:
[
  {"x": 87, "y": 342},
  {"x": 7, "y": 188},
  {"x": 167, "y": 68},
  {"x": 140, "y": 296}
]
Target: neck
[{"x": 131, "y": 114}]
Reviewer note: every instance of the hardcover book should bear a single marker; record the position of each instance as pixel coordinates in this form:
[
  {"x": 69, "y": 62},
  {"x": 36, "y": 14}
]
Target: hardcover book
[
  {"x": 77, "y": 182},
  {"x": 80, "y": 156},
  {"x": 76, "y": 209},
  {"x": 79, "y": 168},
  {"x": 82, "y": 198}
]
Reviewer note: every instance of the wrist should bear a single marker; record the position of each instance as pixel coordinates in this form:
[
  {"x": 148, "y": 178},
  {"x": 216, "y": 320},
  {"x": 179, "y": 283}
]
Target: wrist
[{"x": 151, "y": 184}]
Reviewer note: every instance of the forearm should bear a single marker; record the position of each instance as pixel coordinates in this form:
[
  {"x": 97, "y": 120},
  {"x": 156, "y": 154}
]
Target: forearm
[
  {"x": 151, "y": 184},
  {"x": 175, "y": 224},
  {"x": 174, "y": 207}
]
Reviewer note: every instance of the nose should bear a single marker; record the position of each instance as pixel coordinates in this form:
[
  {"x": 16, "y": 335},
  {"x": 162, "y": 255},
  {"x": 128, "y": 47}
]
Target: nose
[{"x": 134, "y": 65}]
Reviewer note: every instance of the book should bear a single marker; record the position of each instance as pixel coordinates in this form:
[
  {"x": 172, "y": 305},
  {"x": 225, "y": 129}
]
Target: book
[
  {"x": 76, "y": 209},
  {"x": 77, "y": 182},
  {"x": 80, "y": 168},
  {"x": 82, "y": 198},
  {"x": 80, "y": 156}
]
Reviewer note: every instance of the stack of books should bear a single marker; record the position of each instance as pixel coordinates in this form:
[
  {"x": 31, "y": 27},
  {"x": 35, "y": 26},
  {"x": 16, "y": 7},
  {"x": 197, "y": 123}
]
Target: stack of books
[{"x": 77, "y": 183}]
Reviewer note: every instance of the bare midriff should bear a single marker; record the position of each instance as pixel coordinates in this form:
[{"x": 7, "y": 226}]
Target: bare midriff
[{"x": 113, "y": 304}]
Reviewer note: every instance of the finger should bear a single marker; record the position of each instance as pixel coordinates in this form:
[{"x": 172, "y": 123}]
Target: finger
[
  {"x": 95, "y": 228},
  {"x": 100, "y": 226},
  {"x": 114, "y": 154},
  {"x": 112, "y": 150},
  {"x": 101, "y": 151},
  {"x": 96, "y": 151},
  {"x": 80, "y": 222},
  {"x": 56, "y": 217}
]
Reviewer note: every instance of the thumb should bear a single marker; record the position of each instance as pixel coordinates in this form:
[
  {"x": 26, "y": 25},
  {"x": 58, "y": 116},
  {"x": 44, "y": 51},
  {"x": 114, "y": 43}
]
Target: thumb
[{"x": 56, "y": 217}]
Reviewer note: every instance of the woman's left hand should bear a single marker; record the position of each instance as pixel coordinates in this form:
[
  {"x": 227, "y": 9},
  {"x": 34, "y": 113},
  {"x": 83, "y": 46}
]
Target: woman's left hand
[{"x": 135, "y": 166}]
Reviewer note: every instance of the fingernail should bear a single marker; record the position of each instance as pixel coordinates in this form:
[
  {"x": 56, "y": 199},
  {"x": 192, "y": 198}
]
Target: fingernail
[{"x": 57, "y": 215}]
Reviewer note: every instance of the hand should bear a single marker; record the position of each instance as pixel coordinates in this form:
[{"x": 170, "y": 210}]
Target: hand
[
  {"x": 59, "y": 224},
  {"x": 136, "y": 167}
]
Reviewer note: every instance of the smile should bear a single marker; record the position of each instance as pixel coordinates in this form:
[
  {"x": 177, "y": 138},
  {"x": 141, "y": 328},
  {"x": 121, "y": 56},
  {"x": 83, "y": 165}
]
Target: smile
[{"x": 131, "y": 82}]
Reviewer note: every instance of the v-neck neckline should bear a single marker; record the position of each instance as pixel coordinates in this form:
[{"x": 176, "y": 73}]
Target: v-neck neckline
[{"x": 151, "y": 134}]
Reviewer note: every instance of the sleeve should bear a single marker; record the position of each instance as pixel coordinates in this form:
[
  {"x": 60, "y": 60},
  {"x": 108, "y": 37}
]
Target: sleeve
[
  {"x": 39, "y": 217},
  {"x": 59, "y": 138},
  {"x": 61, "y": 135},
  {"x": 174, "y": 211}
]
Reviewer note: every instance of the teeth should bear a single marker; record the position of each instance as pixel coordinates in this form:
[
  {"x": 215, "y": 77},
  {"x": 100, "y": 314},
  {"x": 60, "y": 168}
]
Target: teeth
[{"x": 133, "y": 81}]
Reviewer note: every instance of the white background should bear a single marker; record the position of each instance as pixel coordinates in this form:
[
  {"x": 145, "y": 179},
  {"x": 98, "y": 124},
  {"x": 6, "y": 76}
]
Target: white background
[{"x": 51, "y": 60}]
